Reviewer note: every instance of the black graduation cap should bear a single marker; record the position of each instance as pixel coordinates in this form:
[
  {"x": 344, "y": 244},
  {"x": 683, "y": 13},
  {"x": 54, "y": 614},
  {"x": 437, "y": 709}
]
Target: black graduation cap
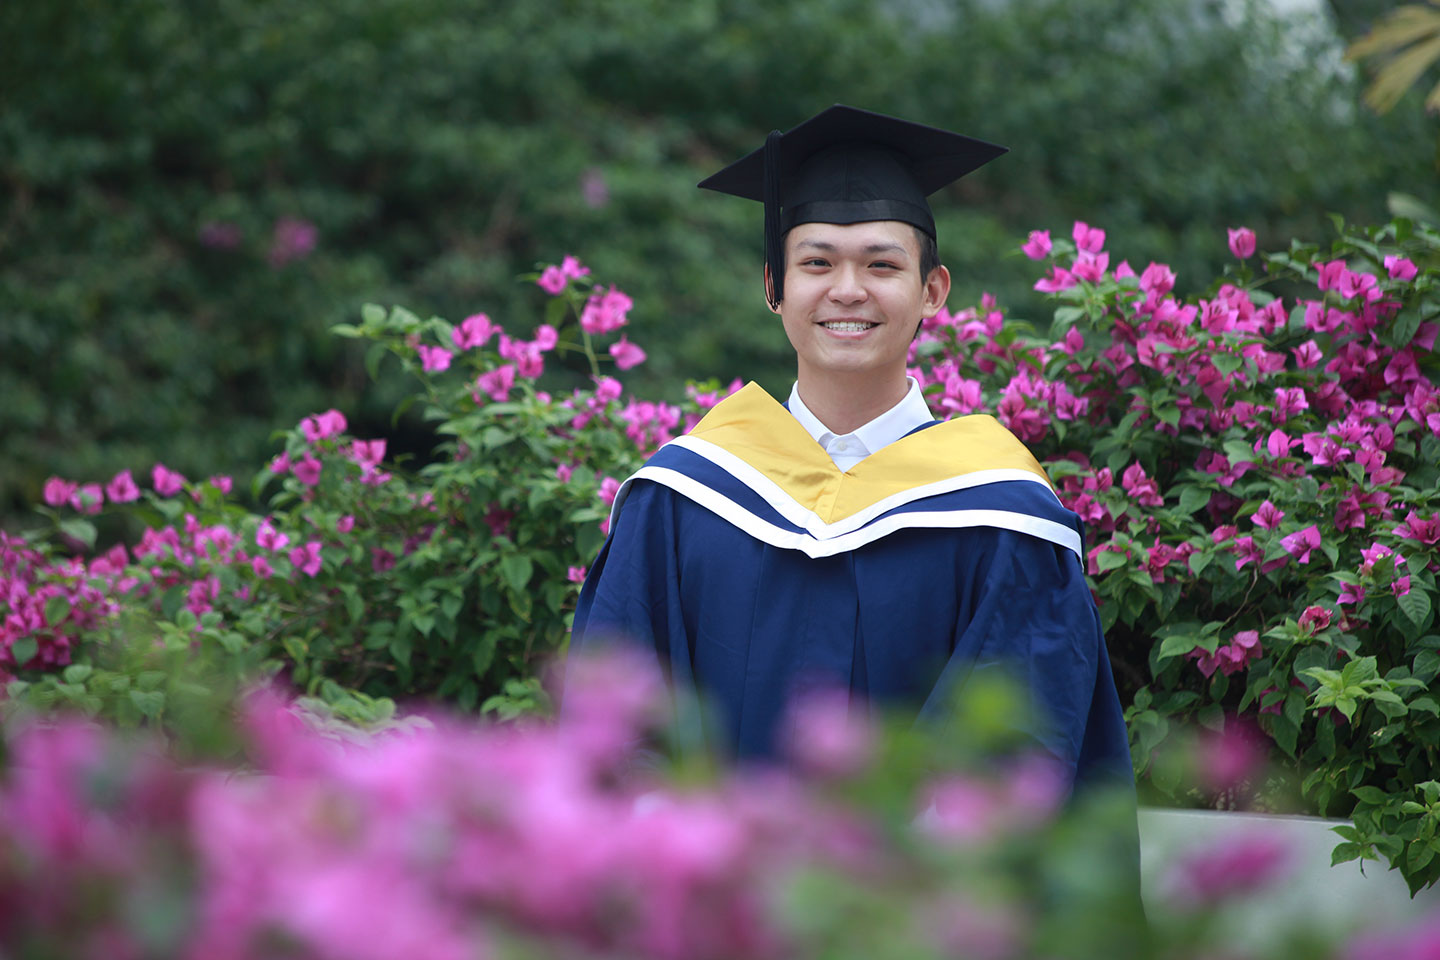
[{"x": 846, "y": 165}]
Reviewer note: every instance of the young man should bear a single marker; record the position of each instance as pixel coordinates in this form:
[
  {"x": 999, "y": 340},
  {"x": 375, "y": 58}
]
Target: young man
[{"x": 846, "y": 539}]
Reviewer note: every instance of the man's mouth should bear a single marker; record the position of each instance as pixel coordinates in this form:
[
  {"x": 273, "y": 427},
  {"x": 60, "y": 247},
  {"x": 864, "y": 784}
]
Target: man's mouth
[{"x": 848, "y": 326}]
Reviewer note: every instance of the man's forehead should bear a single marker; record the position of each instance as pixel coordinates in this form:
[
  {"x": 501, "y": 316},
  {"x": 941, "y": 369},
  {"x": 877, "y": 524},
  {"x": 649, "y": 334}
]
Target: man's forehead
[{"x": 869, "y": 236}]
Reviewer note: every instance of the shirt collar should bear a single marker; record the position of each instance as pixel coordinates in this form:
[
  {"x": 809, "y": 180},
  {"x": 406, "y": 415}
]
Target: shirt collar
[{"x": 905, "y": 416}]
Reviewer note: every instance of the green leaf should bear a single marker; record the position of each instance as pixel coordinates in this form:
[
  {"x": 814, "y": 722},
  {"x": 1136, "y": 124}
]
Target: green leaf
[
  {"x": 515, "y": 570},
  {"x": 24, "y": 650},
  {"x": 77, "y": 672},
  {"x": 1226, "y": 363},
  {"x": 150, "y": 704},
  {"x": 1065, "y": 316},
  {"x": 79, "y": 529},
  {"x": 484, "y": 653},
  {"x": 1192, "y": 499},
  {"x": 372, "y": 314},
  {"x": 400, "y": 649},
  {"x": 1415, "y": 604},
  {"x": 373, "y": 356},
  {"x": 1110, "y": 560},
  {"x": 1178, "y": 646},
  {"x": 56, "y": 609},
  {"x": 1345, "y": 852},
  {"x": 347, "y": 330},
  {"x": 1372, "y": 795},
  {"x": 1199, "y": 561}
]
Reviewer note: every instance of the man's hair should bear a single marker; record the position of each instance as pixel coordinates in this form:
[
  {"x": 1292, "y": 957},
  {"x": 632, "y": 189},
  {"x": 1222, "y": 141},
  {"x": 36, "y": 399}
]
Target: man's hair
[{"x": 929, "y": 254}]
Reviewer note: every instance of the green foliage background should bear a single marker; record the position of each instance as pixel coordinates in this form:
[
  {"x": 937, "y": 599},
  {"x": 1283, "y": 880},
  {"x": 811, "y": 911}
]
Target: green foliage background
[{"x": 442, "y": 147}]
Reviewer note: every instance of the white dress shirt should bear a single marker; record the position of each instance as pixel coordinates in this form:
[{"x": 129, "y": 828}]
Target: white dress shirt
[{"x": 849, "y": 449}]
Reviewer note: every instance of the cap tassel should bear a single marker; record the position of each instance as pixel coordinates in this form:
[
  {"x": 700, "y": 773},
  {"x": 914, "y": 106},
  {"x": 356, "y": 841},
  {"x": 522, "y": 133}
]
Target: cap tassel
[{"x": 774, "y": 252}]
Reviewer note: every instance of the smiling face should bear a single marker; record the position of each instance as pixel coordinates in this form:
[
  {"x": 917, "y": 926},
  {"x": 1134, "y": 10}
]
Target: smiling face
[{"x": 853, "y": 299}]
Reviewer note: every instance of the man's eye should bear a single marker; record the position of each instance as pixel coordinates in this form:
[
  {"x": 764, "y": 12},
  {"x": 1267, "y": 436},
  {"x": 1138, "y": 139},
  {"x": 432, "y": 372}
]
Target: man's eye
[
  {"x": 885, "y": 264},
  {"x": 814, "y": 262}
]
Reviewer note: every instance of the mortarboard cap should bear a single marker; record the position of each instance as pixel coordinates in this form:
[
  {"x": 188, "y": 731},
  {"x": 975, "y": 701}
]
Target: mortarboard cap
[{"x": 846, "y": 165}]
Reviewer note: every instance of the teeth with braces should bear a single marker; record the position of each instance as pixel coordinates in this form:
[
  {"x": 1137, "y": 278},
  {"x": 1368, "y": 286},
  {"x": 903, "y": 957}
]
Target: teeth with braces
[{"x": 847, "y": 326}]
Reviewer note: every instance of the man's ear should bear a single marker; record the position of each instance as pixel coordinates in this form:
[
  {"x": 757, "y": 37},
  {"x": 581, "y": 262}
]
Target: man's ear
[{"x": 937, "y": 291}]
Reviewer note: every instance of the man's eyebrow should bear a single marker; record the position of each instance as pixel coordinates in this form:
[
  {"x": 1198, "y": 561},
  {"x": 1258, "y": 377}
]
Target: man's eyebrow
[{"x": 871, "y": 249}]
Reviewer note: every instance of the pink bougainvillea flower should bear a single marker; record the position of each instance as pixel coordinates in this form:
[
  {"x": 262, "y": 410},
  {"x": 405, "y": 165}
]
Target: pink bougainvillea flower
[
  {"x": 546, "y": 337},
  {"x": 280, "y": 464},
  {"x": 605, "y": 311},
  {"x": 322, "y": 426},
  {"x": 122, "y": 488},
  {"x": 573, "y": 268},
  {"x": 1301, "y": 543},
  {"x": 1226, "y": 759},
  {"x": 306, "y": 558},
  {"x": 293, "y": 239},
  {"x": 575, "y": 574},
  {"x": 88, "y": 498},
  {"x": 262, "y": 567},
  {"x": 1400, "y": 268},
  {"x": 58, "y": 491},
  {"x": 1330, "y": 274},
  {"x": 496, "y": 383},
  {"x": 222, "y": 483},
  {"x": 626, "y": 354},
  {"x": 607, "y": 389},
  {"x": 268, "y": 538},
  {"x": 1308, "y": 355},
  {"x": 307, "y": 471},
  {"x": 1157, "y": 279},
  {"x": 1242, "y": 241},
  {"x": 434, "y": 359},
  {"x": 828, "y": 738},
  {"x": 381, "y": 560},
  {"x": 1087, "y": 238},
  {"x": 552, "y": 280},
  {"x": 474, "y": 331},
  {"x": 1056, "y": 280},
  {"x": 1038, "y": 246},
  {"x": 563, "y": 472},
  {"x": 1141, "y": 488},
  {"x": 368, "y": 452},
  {"x": 609, "y": 486},
  {"x": 1228, "y": 871},
  {"x": 1314, "y": 619},
  {"x": 166, "y": 482},
  {"x": 1278, "y": 444},
  {"x": 345, "y": 524},
  {"x": 1417, "y": 528},
  {"x": 1268, "y": 516}
]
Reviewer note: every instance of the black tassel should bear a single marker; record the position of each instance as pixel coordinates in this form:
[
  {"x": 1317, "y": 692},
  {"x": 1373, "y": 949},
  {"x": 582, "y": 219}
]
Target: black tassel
[{"x": 774, "y": 250}]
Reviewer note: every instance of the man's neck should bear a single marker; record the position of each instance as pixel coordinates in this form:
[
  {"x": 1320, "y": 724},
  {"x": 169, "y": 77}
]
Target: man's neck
[{"x": 844, "y": 404}]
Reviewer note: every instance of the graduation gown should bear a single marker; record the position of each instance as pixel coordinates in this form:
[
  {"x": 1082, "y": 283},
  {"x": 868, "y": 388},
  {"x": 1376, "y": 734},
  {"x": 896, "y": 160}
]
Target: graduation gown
[{"x": 753, "y": 567}]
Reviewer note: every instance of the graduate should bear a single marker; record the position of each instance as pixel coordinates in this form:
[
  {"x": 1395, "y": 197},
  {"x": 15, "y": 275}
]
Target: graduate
[{"x": 845, "y": 538}]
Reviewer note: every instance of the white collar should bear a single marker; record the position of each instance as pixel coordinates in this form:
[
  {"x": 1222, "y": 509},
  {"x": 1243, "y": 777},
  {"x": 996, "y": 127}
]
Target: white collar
[{"x": 905, "y": 416}]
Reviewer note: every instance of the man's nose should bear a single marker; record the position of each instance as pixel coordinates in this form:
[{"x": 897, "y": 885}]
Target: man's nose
[{"x": 847, "y": 286}]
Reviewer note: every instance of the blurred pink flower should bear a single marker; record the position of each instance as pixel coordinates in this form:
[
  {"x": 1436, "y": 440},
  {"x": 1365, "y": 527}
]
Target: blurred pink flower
[
  {"x": 434, "y": 359},
  {"x": 563, "y": 472},
  {"x": 1300, "y": 543},
  {"x": 88, "y": 498},
  {"x": 626, "y": 354},
  {"x": 220, "y": 234},
  {"x": 58, "y": 492},
  {"x": 122, "y": 488},
  {"x": 605, "y": 311},
  {"x": 1038, "y": 246},
  {"x": 345, "y": 524},
  {"x": 262, "y": 567},
  {"x": 546, "y": 337},
  {"x": 1056, "y": 280},
  {"x": 307, "y": 471},
  {"x": 268, "y": 538},
  {"x": 1087, "y": 238},
  {"x": 1308, "y": 355},
  {"x": 1242, "y": 242},
  {"x": 1268, "y": 516},
  {"x": 496, "y": 383},
  {"x": 474, "y": 331},
  {"x": 1314, "y": 619},
  {"x": 368, "y": 452},
  {"x": 575, "y": 574},
  {"x": 609, "y": 487},
  {"x": 1400, "y": 268},
  {"x": 1228, "y": 869},
  {"x": 280, "y": 464},
  {"x": 293, "y": 239},
  {"x": 1228, "y": 758},
  {"x": 826, "y": 736},
  {"x": 1330, "y": 274},
  {"x": 306, "y": 557},
  {"x": 166, "y": 482},
  {"x": 552, "y": 280},
  {"x": 222, "y": 483},
  {"x": 573, "y": 268},
  {"x": 322, "y": 426}
]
